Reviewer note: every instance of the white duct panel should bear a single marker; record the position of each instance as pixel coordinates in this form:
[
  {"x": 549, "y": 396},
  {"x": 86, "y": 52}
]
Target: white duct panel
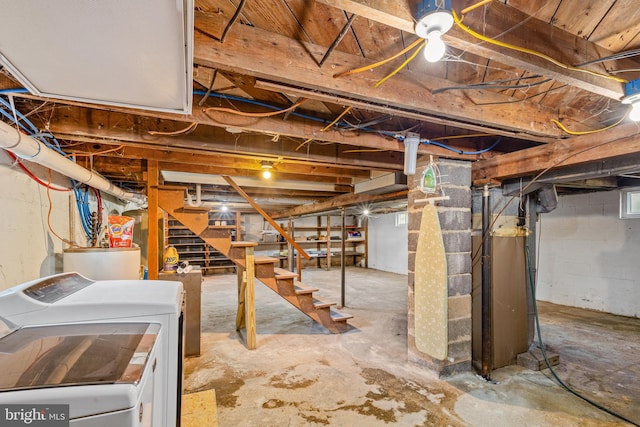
[{"x": 119, "y": 52}]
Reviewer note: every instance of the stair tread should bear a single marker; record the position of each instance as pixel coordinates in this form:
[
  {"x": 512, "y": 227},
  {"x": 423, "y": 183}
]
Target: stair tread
[
  {"x": 319, "y": 303},
  {"x": 303, "y": 289},
  {"x": 241, "y": 244},
  {"x": 260, "y": 259},
  {"x": 281, "y": 273},
  {"x": 338, "y": 317}
]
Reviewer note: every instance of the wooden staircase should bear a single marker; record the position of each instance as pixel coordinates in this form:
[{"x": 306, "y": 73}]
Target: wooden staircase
[{"x": 281, "y": 281}]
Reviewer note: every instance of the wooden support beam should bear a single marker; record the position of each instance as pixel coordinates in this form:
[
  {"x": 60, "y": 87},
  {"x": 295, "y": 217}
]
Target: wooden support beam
[
  {"x": 618, "y": 141},
  {"x": 153, "y": 237},
  {"x": 338, "y": 202},
  {"x": 266, "y": 216}
]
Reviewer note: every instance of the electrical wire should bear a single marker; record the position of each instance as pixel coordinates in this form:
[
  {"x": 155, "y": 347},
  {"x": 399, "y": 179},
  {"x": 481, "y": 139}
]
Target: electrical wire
[
  {"x": 97, "y": 153},
  {"x": 270, "y": 114},
  {"x": 495, "y": 85},
  {"x": 233, "y": 20},
  {"x": 471, "y": 135},
  {"x": 397, "y": 70},
  {"x": 479, "y": 36},
  {"x": 344, "y": 113},
  {"x": 17, "y": 161},
  {"x": 293, "y": 113},
  {"x": 186, "y": 130},
  {"x": 544, "y": 353},
  {"x": 379, "y": 63},
  {"x": 587, "y": 132},
  {"x": 614, "y": 57},
  {"x": 68, "y": 242},
  {"x": 455, "y": 150},
  {"x": 474, "y": 6}
]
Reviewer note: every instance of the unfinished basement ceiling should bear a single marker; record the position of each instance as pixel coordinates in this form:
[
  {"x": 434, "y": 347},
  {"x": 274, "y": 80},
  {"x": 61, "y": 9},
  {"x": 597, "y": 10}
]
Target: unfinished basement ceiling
[{"x": 270, "y": 100}]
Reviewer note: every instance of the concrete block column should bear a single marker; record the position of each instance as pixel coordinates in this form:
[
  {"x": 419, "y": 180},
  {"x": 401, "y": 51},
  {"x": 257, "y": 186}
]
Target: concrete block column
[{"x": 455, "y": 221}]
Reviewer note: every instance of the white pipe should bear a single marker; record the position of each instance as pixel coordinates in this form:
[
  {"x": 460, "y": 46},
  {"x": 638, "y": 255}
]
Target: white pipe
[
  {"x": 33, "y": 150},
  {"x": 198, "y": 201}
]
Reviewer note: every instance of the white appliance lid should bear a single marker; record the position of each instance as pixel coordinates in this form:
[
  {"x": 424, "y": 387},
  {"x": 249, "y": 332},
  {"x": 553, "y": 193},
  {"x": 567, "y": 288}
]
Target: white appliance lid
[{"x": 75, "y": 354}]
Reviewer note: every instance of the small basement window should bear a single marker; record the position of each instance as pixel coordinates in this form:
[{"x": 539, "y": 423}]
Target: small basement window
[{"x": 630, "y": 203}]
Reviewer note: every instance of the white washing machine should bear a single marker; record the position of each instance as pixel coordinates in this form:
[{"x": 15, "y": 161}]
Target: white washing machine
[
  {"x": 72, "y": 298},
  {"x": 105, "y": 372}
]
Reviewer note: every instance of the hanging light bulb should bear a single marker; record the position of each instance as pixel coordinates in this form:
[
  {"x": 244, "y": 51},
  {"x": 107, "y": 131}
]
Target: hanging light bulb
[
  {"x": 266, "y": 172},
  {"x": 433, "y": 19},
  {"x": 634, "y": 114},
  {"x": 435, "y": 49},
  {"x": 224, "y": 208},
  {"x": 632, "y": 98}
]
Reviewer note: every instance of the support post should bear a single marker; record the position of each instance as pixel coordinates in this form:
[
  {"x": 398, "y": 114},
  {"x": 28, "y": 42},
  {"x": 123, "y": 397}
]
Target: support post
[
  {"x": 154, "y": 231},
  {"x": 487, "y": 344},
  {"x": 343, "y": 259},
  {"x": 242, "y": 288},
  {"x": 250, "y": 298}
]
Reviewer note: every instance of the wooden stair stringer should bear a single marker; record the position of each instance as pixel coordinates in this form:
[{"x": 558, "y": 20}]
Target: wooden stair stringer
[
  {"x": 303, "y": 299},
  {"x": 171, "y": 200},
  {"x": 283, "y": 284}
]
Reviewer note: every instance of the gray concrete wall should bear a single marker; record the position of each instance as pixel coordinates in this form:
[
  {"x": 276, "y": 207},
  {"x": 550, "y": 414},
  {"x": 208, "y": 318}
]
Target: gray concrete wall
[{"x": 455, "y": 222}]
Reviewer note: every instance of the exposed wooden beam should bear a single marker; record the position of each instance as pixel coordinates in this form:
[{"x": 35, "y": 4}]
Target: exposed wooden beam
[
  {"x": 299, "y": 128},
  {"x": 233, "y": 165},
  {"x": 338, "y": 202},
  {"x": 618, "y": 141},
  {"x": 261, "y": 54},
  {"x": 496, "y": 19}
]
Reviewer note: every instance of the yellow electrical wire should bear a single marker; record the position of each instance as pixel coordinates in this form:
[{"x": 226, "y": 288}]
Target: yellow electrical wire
[
  {"x": 346, "y": 110},
  {"x": 587, "y": 132},
  {"x": 473, "y": 6},
  {"x": 529, "y": 51},
  {"x": 377, "y": 64},
  {"x": 269, "y": 114},
  {"x": 177, "y": 132},
  {"x": 397, "y": 70}
]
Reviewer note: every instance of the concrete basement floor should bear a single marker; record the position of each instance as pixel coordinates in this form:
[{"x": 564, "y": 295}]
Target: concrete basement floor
[{"x": 302, "y": 375}]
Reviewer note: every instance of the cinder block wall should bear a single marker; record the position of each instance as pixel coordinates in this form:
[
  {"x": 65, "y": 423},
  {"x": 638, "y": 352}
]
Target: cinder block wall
[{"x": 455, "y": 221}]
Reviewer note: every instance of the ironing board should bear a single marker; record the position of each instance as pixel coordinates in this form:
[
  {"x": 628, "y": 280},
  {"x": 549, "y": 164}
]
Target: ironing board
[{"x": 431, "y": 287}]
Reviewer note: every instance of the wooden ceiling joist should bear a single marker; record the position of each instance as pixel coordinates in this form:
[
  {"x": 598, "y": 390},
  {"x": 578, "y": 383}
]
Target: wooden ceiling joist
[
  {"x": 261, "y": 54},
  {"x": 497, "y": 18}
]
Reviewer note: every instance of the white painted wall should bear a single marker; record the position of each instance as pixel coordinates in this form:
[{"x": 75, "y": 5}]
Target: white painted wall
[
  {"x": 28, "y": 248},
  {"x": 388, "y": 244},
  {"x": 589, "y": 257}
]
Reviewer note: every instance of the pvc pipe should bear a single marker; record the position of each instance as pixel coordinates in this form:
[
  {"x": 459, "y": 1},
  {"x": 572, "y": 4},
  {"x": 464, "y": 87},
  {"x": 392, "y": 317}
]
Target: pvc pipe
[
  {"x": 198, "y": 201},
  {"x": 33, "y": 150}
]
